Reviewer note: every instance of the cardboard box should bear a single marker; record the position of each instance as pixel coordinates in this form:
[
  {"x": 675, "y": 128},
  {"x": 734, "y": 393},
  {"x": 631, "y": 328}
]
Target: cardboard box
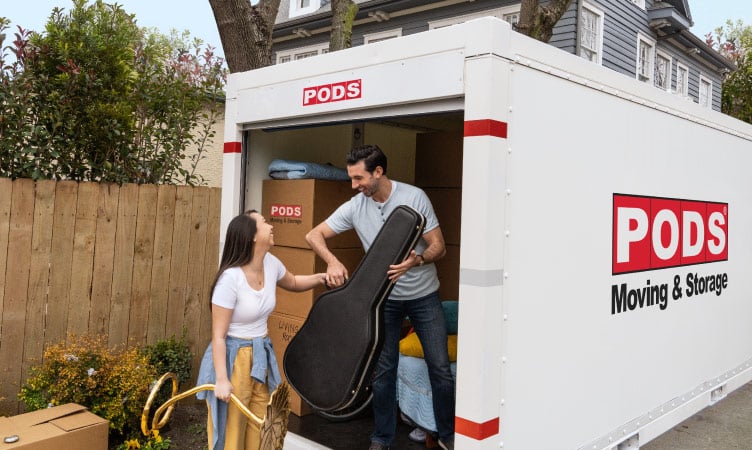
[
  {"x": 302, "y": 261},
  {"x": 294, "y": 207},
  {"x": 68, "y": 426},
  {"x": 447, "y": 204},
  {"x": 282, "y": 328},
  {"x": 438, "y": 159},
  {"x": 448, "y": 269}
]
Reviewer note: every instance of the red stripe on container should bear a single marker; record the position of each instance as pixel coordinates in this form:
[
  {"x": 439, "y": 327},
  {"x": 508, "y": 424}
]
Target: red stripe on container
[
  {"x": 232, "y": 147},
  {"x": 477, "y": 431},
  {"x": 486, "y": 127}
]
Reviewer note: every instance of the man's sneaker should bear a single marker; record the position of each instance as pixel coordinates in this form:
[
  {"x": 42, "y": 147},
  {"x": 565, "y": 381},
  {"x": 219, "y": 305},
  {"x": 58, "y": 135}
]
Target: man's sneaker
[
  {"x": 377, "y": 446},
  {"x": 417, "y": 435},
  {"x": 448, "y": 445}
]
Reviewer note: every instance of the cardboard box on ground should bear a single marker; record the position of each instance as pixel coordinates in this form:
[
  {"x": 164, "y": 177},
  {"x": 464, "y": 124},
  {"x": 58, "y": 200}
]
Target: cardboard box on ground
[{"x": 68, "y": 426}]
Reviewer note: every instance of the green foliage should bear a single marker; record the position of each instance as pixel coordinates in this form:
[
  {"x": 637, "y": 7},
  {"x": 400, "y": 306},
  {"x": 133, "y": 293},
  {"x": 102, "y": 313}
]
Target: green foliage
[
  {"x": 94, "y": 97},
  {"x": 154, "y": 442},
  {"x": 171, "y": 355},
  {"x": 112, "y": 382},
  {"x": 735, "y": 43}
]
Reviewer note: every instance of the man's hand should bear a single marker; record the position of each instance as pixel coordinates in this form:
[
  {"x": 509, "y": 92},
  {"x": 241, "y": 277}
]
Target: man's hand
[
  {"x": 397, "y": 270},
  {"x": 336, "y": 274}
]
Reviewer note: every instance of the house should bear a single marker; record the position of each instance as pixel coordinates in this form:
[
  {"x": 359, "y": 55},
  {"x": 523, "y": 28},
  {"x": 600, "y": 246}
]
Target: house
[{"x": 649, "y": 40}]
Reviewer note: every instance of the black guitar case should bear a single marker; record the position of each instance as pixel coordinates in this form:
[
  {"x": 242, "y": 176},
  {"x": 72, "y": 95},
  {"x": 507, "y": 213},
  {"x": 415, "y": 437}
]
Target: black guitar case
[{"x": 330, "y": 360}]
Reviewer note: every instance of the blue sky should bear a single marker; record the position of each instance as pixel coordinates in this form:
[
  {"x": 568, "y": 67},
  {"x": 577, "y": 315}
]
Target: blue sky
[
  {"x": 196, "y": 15},
  {"x": 193, "y": 15}
]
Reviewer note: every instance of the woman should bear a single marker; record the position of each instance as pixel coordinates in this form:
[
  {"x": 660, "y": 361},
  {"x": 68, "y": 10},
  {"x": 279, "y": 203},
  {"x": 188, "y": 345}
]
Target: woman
[{"x": 240, "y": 358}]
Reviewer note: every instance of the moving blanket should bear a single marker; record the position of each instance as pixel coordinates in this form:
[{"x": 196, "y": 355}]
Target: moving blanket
[
  {"x": 283, "y": 169},
  {"x": 414, "y": 391}
]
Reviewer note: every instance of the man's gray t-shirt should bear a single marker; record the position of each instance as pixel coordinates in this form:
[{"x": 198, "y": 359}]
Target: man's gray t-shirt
[{"x": 367, "y": 216}]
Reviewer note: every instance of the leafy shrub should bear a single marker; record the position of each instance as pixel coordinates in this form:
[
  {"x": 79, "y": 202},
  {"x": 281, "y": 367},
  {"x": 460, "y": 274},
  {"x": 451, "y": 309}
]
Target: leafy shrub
[
  {"x": 112, "y": 382},
  {"x": 94, "y": 97},
  {"x": 171, "y": 355}
]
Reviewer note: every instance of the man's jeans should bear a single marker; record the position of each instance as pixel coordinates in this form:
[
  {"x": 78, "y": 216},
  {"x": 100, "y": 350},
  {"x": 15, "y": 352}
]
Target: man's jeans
[{"x": 427, "y": 317}]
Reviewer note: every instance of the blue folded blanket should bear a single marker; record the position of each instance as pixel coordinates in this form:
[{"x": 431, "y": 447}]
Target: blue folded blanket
[{"x": 282, "y": 169}]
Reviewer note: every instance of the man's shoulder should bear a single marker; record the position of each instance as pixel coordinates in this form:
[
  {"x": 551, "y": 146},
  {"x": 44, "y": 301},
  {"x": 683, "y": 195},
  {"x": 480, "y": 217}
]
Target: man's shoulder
[{"x": 407, "y": 189}]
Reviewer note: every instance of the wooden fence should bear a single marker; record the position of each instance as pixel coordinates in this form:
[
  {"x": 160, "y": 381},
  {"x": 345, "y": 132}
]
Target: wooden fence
[{"x": 131, "y": 262}]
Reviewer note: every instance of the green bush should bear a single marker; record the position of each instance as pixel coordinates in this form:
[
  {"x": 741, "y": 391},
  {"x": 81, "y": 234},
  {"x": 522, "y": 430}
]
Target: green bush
[
  {"x": 112, "y": 382},
  {"x": 94, "y": 97},
  {"x": 171, "y": 355}
]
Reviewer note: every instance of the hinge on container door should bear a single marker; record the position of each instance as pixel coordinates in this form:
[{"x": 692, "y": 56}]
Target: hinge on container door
[
  {"x": 718, "y": 394},
  {"x": 630, "y": 443}
]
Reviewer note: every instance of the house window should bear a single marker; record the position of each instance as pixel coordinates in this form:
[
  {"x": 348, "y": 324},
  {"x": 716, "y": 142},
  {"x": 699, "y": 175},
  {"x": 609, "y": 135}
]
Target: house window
[
  {"x": 640, "y": 3},
  {"x": 301, "y": 7},
  {"x": 591, "y": 33},
  {"x": 645, "y": 58},
  {"x": 705, "y": 96},
  {"x": 302, "y": 52},
  {"x": 381, "y": 36},
  {"x": 662, "y": 71},
  {"x": 512, "y": 19},
  {"x": 509, "y": 13},
  {"x": 682, "y": 80}
]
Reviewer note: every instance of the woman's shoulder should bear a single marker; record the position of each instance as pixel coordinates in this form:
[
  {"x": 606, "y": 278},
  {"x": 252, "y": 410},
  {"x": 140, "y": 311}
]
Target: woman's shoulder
[
  {"x": 232, "y": 273},
  {"x": 271, "y": 260}
]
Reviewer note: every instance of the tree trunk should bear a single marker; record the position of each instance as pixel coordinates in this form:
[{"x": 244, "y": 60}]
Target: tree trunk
[
  {"x": 538, "y": 21},
  {"x": 343, "y": 15},
  {"x": 245, "y": 32}
]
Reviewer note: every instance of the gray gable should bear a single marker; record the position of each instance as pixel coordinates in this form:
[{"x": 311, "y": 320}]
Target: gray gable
[{"x": 682, "y": 6}]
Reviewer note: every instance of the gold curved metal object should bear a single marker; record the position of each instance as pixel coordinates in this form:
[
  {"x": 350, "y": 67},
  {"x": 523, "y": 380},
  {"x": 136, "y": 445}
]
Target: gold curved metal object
[{"x": 273, "y": 425}]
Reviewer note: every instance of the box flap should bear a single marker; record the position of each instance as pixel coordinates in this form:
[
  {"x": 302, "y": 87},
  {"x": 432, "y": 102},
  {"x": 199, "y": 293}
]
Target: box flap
[
  {"x": 77, "y": 421},
  {"x": 45, "y": 415}
]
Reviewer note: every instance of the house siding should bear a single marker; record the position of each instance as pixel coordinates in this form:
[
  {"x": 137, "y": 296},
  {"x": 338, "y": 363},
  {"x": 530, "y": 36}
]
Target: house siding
[{"x": 622, "y": 22}]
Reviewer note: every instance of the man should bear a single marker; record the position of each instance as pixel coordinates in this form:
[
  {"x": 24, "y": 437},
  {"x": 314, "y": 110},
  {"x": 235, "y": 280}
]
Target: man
[{"x": 415, "y": 293}]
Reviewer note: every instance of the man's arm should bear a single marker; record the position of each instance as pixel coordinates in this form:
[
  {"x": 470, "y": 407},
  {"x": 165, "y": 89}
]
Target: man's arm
[
  {"x": 336, "y": 272},
  {"x": 435, "y": 250}
]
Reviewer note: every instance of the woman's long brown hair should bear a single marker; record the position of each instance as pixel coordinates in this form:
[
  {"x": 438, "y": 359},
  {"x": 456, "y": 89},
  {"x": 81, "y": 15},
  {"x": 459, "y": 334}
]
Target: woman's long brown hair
[{"x": 238, "y": 249}]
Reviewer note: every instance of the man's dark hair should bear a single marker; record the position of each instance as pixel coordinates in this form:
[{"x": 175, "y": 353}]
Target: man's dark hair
[{"x": 371, "y": 155}]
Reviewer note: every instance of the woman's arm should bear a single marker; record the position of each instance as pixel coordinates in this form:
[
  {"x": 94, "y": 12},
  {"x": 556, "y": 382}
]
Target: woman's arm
[
  {"x": 220, "y": 323},
  {"x": 299, "y": 283}
]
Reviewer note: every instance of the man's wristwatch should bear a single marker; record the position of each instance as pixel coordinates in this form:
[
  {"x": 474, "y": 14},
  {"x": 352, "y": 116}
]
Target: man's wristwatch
[{"x": 422, "y": 260}]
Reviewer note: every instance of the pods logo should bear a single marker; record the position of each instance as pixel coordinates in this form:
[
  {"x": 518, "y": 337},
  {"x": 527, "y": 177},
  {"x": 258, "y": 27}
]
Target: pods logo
[
  {"x": 286, "y": 211},
  {"x": 655, "y": 233},
  {"x": 335, "y": 92}
]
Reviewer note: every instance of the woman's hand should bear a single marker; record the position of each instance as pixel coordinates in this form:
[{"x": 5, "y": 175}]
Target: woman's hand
[{"x": 223, "y": 389}]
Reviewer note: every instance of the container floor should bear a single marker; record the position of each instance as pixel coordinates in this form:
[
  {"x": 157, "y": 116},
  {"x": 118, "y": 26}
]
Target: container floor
[{"x": 351, "y": 435}]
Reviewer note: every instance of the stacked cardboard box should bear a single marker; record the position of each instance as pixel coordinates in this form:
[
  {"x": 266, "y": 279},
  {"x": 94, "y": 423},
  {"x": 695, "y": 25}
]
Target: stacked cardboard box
[
  {"x": 294, "y": 207},
  {"x": 438, "y": 171}
]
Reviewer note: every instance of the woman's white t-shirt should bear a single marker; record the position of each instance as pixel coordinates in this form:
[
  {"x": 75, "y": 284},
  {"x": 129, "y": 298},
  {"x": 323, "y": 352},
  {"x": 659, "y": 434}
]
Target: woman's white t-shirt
[{"x": 251, "y": 308}]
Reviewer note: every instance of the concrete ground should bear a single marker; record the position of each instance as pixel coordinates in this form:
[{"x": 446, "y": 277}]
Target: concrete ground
[{"x": 726, "y": 425}]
